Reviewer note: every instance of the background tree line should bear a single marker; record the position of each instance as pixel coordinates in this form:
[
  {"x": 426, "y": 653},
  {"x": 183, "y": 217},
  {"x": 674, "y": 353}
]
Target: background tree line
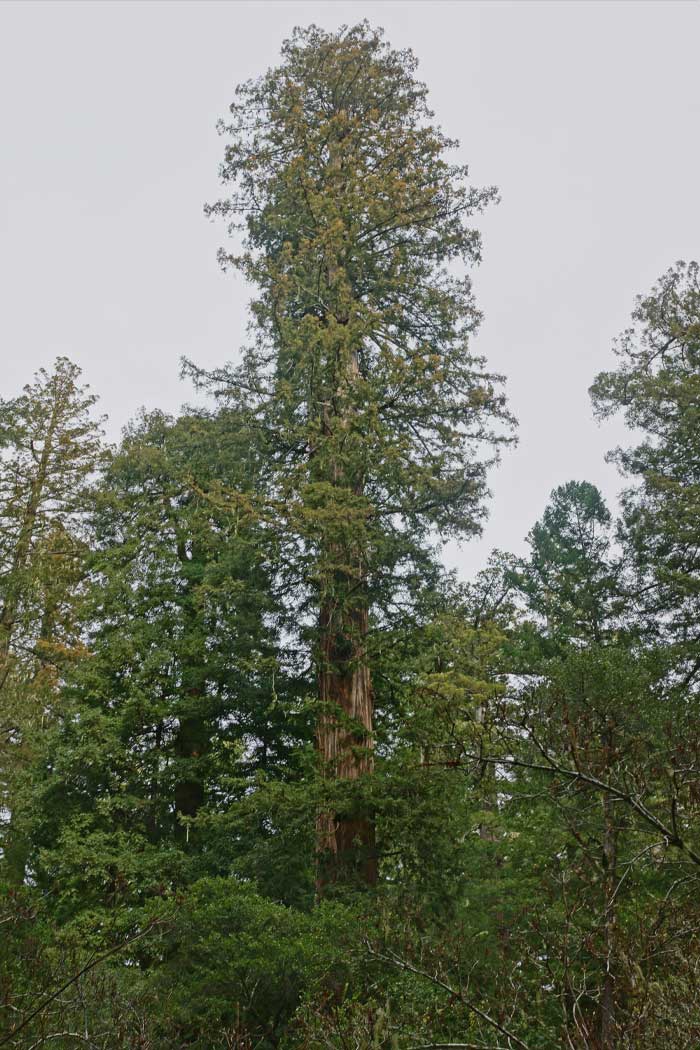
[{"x": 270, "y": 775}]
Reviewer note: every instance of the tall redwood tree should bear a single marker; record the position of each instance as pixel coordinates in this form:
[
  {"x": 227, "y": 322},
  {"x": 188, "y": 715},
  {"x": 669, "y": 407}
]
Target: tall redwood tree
[{"x": 378, "y": 421}]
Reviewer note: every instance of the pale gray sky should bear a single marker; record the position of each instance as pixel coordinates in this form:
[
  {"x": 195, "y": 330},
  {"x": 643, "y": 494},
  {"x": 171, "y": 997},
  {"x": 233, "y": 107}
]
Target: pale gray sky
[{"x": 587, "y": 115}]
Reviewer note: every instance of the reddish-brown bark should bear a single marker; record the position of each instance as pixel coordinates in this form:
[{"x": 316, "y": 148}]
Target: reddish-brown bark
[{"x": 345, "y": 841}]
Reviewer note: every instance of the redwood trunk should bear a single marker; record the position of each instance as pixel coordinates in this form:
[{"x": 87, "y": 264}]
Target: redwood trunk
[{"x": 345, "y": 839}]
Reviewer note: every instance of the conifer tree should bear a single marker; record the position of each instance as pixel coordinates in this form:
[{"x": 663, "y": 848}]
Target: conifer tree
[
  {"x": 657, "y": 388},
  {"x": 377, "y": 419},
  {"x": 174, "y": 710},
  {"x": 51, "y": 444},
  {"x": 590, "y": 735}
]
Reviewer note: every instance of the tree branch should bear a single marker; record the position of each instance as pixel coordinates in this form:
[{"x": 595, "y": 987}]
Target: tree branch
[{"x": 434, "y": 979}]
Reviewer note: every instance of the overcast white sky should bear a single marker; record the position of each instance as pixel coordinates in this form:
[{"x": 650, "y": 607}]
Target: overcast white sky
[{"x": 586, "y": 115}]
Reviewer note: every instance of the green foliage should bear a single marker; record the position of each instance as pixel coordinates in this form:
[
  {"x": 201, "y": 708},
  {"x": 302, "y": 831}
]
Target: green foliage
[
  {"x": 377, "y": 421},
  {"x": 50, "y": 445},
  {"x": 183, "y": 619},
  {"x": 179, "y": 703},
  {"x": 657, "y": 386}
]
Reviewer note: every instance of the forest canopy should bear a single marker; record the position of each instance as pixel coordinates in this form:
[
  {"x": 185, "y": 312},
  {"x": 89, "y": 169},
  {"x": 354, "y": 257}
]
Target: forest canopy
[{"x": 271, "y": 776}]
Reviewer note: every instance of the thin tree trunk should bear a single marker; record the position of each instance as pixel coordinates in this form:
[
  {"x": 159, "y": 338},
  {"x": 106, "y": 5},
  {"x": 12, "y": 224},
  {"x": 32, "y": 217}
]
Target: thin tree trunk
[
  {"x": 607, "y": 993},
  {"x": 193, "y": 736},
  {"x": 191, "y": 742}
]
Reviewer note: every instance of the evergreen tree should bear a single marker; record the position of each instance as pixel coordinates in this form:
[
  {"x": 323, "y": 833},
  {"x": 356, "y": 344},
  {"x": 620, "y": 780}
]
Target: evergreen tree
[
  {"x": 657, "y": 387},
  {"x": 378, "y": 422},
  {"x": 51, "y": 446},
  {"x": 587, "y": 729},
  {"x": 177, "y": 706},
  {"x": 571, "y": 581}
]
